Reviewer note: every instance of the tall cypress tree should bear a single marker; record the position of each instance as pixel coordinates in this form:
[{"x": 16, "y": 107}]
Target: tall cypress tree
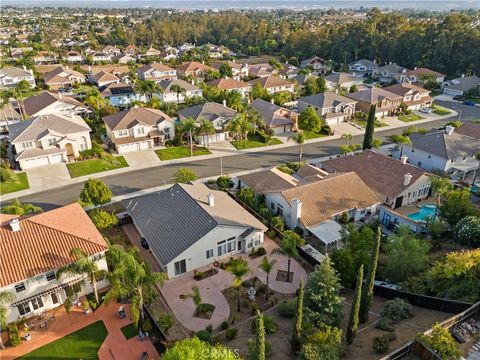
[
  {"x": 297, "y": 335},
  {"x": 259, "y": 338},
  {"x": 353, "y": 320},
  {"x": 368, "y": 137},
  {"x": 367, "y": 292}
]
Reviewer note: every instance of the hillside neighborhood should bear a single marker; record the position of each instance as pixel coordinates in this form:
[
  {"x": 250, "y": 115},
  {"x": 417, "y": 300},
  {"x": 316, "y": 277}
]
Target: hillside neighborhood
[{"x": 262, "y": 197}]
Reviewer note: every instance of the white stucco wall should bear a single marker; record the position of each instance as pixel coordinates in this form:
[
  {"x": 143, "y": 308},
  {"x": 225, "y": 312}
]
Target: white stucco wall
[{"x": 423, "y": 159}]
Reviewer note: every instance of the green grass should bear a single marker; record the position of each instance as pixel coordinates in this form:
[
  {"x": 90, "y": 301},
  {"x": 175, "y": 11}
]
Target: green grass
[
  {"x": 254, "y": 142},
  {"x": 313, "y": 135},
  {"x": 441, "y": 111},
  {"x": 87, "y": 167},
  {"x": 180, "y": 152},
  {"x": 82, "y": 89},
  {"x": 129, "y": 331},
  {"x": 410, "y": 117},
  {"x": 21, "y": 184},
  {"x": 363, "y": 123},
  {"x": 82, "y": 344}
]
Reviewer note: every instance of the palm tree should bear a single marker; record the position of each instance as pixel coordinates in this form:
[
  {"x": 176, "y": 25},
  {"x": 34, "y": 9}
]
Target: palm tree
[
  {"x": 440, "y": 186},
  {"x": 348, "y": 138},
  {"x": 238, "y": 268},
  {"x": 400, "y": 141},
  {"x": 5, "y": 96},
  {"x": 205, "y": 128},
  {"x": 234, "y": 128},
  {"x": 178, "y": 90},
  {"x": 255, "y": 118},
  {"x": 299, "y": 138},
  {"x": 22, "y": 91},
  {"x": 146, "y": 88},
  {"x": 195, "y": 295},
  {"x": 188, "y": 125},
  {"x": 94, "y": 99},
  {"x": 83, "y": 265},
  {"x": 6, "y": 297},
  {"x": 267, "y": 266},
  {"x": 290, "y": 241}
]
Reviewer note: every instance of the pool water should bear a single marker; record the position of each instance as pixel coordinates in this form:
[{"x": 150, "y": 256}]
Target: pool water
[{"x": 426, "y": 211}]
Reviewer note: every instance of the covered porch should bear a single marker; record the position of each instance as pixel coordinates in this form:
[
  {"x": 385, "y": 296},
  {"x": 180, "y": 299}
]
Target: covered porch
[{"x": 329, "y": 233}]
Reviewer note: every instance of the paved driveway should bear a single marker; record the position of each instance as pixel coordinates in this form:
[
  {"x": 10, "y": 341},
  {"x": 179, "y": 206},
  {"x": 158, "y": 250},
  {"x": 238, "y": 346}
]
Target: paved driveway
[
  {"x": 43, "y": 176},
  {"x": 347, "y": 128},
  {"x": 138, "y": 159}
]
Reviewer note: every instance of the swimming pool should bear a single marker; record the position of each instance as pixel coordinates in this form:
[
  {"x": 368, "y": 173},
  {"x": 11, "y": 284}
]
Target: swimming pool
[{"x": 426, "y": 211}]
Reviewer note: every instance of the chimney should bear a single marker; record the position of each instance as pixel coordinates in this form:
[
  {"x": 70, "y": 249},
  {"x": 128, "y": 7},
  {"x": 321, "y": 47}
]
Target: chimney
[
  {"x": 211, "y": 199},
  {"x": 193, "y": 82},
  {"x": 296, "y": 212},
  {"x": 272, "y": 101},
  {"x": 224, "y": 102},
  {"x": 24, "y": 68},
  {"x": 463, "y": 75},
  {"x": 449, "y": 129},
  {"x": 406, "y": 179},
  {"x": 415, "y": 68},
  {"x": 404, "y": 159},
  {"x": 15, "y": 224}
]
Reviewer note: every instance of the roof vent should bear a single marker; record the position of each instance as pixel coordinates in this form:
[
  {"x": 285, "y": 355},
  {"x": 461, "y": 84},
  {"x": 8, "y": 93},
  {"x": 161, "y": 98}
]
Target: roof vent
[
  {"x": 406, "y": 179},
  {"x": 449, "y": 129},
  {"x": 15, "y": 224},
  {"x": 211, "y": 199}
]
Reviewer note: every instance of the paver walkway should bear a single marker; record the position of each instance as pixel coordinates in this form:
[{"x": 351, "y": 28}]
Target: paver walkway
[
  {"x": 115, "y": 346},
  {"x": 211, "y": 288}
]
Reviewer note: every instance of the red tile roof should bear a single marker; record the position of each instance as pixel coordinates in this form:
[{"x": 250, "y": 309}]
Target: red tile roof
[{"x": 44, "y": 241}]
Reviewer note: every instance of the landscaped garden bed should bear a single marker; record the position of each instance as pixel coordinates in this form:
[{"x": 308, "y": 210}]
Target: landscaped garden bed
[
  {"x": 200, "y": 275},
  {"x": 254, "y": 141},
  {"x": 178, "y": 152},
  {"x": 257, "y": 253},
  {"x": 129, "y": 331},
  {"x": 410, "y": 117},
  {"x": 117, "y": 236},
  {"x": 283, "y": 275},
  {"x": 204, "y": 311}
]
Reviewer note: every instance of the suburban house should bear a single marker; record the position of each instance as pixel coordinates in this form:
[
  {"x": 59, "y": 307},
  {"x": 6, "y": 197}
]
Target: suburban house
[
  {"x": 419, "y": 75},
  {"x": 301, "y": 78},
  {"x": 387, "y": 103},
  {"x": 111, "y": 50},
  {"x": 35, "y": 247},
  {"x": 139, "y": 129},
  {"x": 396, "y": 184},
  {"x": 289, "y": 71},
  {"x": 49, "y": 139},
  {"x": 121, "y": 94},
  {"x": 314, "y": 203},
  {"x": 470, "y": 128},
  {"x": 444, "y": 150},
  {"x": 414, "y": 97},
  {"x": 103, "y": 78},
  {"x": 187, "y": 90},
  {"x": 103, "y": 75},
  {"x": 152, "y": 52},
  {"x": 98, "y": 56},
  {"x": 194, "y": 69},
  {"x": 45, "y": 57},
  {"x": 156, "y": 72},
  {"x": 319, "y": 66},
  {"x": 219, "y": 115},
  {"x": 331, "y": 107},
  {"x": 274, "y": 84},
  {"x": 335, "y": 81},
  {"x": 63, "y": 78},
  {"x": 276, "y": 118},
  {"x": 51, "y": 103},
  {"x": 125, "y": 59},
  {"x": 230, "y": 84},
  {"x": 189, "y": 226},
  {"x": 261, "y": 70},
  {"x": 238, "y": 70},
  {"x": 8, "y": 115},
  {"x": 73, "y": 57},
  {"x": 131, "y": 50},
  {"x": 10, "y": 76},
  {"x": 461, "y": 85},
  {"x": 362, "y": 67},
  {"x": 389, "y": 72}
]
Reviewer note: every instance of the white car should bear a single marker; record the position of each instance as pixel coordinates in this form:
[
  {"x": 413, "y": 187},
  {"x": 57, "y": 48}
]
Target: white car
[{"x": 426, "y": 110}]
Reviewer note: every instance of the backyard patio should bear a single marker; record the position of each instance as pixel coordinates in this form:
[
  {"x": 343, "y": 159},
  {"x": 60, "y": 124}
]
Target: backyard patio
[{"x": 211, "y": 288}]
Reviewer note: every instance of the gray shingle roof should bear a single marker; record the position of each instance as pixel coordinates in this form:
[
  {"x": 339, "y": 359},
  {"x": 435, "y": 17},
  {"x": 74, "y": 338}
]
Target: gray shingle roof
[
  {"x": 209, "y": 111},
  {"x": 340, "y": 78},
  {"x": 123, "y": 119},
  {"x": 326, "y": 100},
  {"x": 39, "y": 102},
  {"x": 463, "y": 84},
  {"x": 270, "y": 115},
  {"x": 167, "y": 84}
]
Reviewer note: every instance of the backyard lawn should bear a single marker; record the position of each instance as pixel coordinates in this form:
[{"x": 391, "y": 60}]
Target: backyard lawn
[
  {"x": 129, "y": 331},
  {"x": 180, "y": 152},
  {"x": 10, "y": 187},
  {"x": 82, "y": 344},
  {"x": 254, "y": 142},
  {"x": 410, "y": 117},
  {"x": 87, "y": 167}
]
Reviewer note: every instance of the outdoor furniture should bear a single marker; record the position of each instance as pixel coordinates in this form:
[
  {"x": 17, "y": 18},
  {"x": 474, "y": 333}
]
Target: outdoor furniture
[
  {"x": 27, "y": 337},
  {"x": 121, "y": 312}
]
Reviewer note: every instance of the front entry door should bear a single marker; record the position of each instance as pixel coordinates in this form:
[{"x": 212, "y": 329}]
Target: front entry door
[
  {"x": 398, "y": 202},
  {"x": 239, "y": 245},
  {"x": 55, "y": 299}
]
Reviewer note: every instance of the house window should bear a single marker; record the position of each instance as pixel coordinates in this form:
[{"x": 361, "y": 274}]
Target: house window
[
  {"x": 231, "y": 246},
  {"x": 250, "y": 244},
  {"x": 122, "y": 133},
  {"x": 27, "y": 145},
  {"x": 257, "y": 242},
  {"x": 419, "y": 164},
  {"x": 37, "y": 303},
  {"x": 140, "y": 131},
  {"x": 279, "y": 209},
  {"x": 83, "y": 143},
  {"x": 209, "y": 253},
  {"x": 221, "y": 249},
  {"x": 180, "y": 267},
  {"x": 23, "y": 309},
  {"x": 50, "y": 275},
  {"x": 20, "y": 287},
  {"x": 52, "y": 141}
]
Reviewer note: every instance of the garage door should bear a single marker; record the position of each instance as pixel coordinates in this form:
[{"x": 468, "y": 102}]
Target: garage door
[
  {"x": 143, "y": 145},
  {"x": 35, "y": 162},
  {"x": 55, "y": 159},
  {"x": 127, "y": 148}
]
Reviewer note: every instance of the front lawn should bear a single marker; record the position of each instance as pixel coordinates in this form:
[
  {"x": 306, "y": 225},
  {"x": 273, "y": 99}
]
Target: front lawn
[
  {"x": 363, "y": 123},
  {"x": 254, "y": 141},
  {"x": 20, "y": 184},
  {"x": 313, "y": 135},
  {"x": 129, "y": 331},
  {"x": 441, "y": 111},
  {"x": 410, "y": 117},
  {"x": 178, "y": 152},
  {"x": 87, "y": 167},
  {"x": 82, "y": 344}
]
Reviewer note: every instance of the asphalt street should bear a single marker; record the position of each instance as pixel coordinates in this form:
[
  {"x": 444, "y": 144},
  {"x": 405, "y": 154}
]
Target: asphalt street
[{"x": 147, "y": 178}]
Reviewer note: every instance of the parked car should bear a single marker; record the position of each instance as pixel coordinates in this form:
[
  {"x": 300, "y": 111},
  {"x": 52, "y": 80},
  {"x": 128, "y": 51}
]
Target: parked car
[
  {"x": 426, "y": 111},
  {"x": 469, "y": 103},
  {"x": 144, "y": 243},
  {"x": 458, "y": 97}
]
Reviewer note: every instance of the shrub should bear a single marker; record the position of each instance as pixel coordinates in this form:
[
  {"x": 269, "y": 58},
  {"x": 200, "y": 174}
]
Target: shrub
[
  {"x": 278, "y": 222},
  {"x": 271, "y": 234},
  {"x": 204, "y": 335},
  {"x": 253, "y": 308},
  {"x": 231, "y": 333},
  {"x": 165, "y": 321},
  {"x": 442, "y": 342},
  {"x": 260, "y": 251},
  {"x": 204, "y": 308},
  {"x": 287, "y": 308},
  {"x": 285, "y": 169},
  {"x": 13, "y": 334},
  {"x": 385, "y": 324},
  {"x": 271, "y": 327},
  {"x": 397, "y": 310},
  {"x": 467, "y": 231},
  {"x": 380, "y": 344},
  {"x": 261, "y": 289},
  {"x": 264, "y": 137},
  {"x": 199, "y": 276},
  {"x": 7, "y": 175},
  {"x": 103, "y": 219},
  {"x": 223, "y": 182},
  {"x": 147, "y": 325},
  {"x": 224, "y": 325},
  {"x": 251, "y": 350}
]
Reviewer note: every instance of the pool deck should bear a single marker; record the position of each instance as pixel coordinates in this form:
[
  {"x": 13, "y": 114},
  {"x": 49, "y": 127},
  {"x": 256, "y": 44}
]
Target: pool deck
[{"x": 406, "y": 210}]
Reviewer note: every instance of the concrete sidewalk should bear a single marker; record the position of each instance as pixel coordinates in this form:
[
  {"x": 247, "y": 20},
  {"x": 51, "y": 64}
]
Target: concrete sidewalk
[{"x": 215, "y": 154}]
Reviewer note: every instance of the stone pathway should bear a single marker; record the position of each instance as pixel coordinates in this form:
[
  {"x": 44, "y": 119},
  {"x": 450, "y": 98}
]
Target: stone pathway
[
  {"x": 115, "y": 346},
  {"x": 474, "y": 352}
]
